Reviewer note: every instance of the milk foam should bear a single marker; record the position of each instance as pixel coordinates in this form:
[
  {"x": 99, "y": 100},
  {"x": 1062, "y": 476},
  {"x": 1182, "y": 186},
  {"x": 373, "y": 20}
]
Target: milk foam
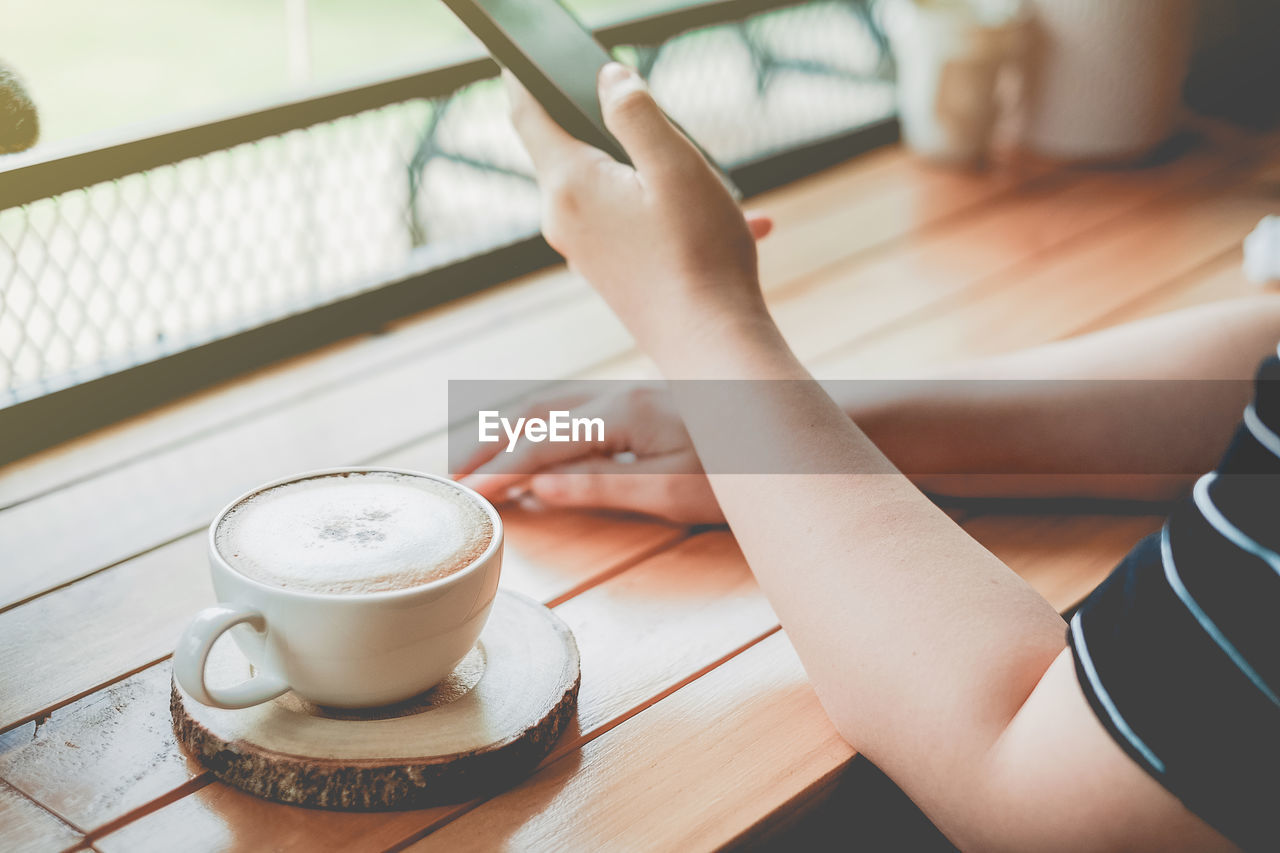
[{"x": 352, "y": 533}]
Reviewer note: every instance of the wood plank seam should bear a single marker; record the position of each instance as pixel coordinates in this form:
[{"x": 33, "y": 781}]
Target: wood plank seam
[
  {"x": 1206, "y": 186},
  {"x": 1229, "y": 257},
  {"x": 1065, "y": 177},
  {"x": 38, "y": 716},
  {"x": 45, "y": 809},
  {"x": 565, "y": 748},
  {"x": 566, "y": 745},
  {"x": 195, "y": 783},
  {"x": 1008, "y": 196},
  {"x": 612, "y": 572},
  {"x": 1227, "y": 280},
  {"x": 501, "y": 319},
  {"x": 4, "y": 608}
]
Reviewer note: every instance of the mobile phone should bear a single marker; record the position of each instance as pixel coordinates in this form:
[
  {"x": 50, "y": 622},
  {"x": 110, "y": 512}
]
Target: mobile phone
[{"x": 557, "y": 59}]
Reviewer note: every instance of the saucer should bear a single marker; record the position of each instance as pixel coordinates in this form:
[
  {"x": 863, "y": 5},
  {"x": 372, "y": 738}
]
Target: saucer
[{"x": 483, "y": 728}]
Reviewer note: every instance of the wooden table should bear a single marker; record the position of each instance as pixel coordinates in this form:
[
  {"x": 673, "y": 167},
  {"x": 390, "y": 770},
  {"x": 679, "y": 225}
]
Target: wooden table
[{"x": 696, "y": 727}]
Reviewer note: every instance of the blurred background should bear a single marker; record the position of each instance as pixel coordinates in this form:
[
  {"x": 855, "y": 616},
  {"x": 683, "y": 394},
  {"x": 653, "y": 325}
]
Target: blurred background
[
  {"x": 370, "y": 147},
  {"x": 97, "y": 67}
]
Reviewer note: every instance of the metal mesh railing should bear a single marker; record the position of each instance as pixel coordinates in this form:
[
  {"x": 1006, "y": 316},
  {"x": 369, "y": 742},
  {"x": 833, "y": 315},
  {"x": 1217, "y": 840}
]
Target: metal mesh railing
[{"x": 127, "y": 271}]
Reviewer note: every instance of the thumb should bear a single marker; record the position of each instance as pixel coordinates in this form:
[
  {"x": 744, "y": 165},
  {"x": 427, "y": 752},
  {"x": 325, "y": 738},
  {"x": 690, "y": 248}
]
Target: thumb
[{"x": 652, "y": 142}]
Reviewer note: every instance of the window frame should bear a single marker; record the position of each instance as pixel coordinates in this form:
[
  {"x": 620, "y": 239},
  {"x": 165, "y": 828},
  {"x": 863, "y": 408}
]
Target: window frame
[{"x": 37, "y": 423}]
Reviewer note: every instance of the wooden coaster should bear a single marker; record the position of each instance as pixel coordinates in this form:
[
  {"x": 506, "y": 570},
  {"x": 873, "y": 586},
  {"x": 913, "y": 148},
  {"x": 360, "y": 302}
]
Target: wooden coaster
[{"x": 481, "y": 729}]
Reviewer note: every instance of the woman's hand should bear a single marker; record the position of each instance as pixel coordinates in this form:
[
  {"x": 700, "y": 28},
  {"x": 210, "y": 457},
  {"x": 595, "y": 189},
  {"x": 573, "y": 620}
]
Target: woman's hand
[
  {"x": 648, "y": 465},
  {"x": 673, "y": 255},
  {"x": 664, "y": 242}
]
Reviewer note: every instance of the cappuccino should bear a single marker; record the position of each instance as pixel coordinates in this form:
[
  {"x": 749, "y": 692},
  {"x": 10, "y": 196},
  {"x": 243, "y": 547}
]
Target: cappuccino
[{"x": 354, "y": 532}]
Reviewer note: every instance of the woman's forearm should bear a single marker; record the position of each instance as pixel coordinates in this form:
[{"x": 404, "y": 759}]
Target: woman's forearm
[
  {"x": 920, "y": 643},
  {"x": 1135, "y": 411}
]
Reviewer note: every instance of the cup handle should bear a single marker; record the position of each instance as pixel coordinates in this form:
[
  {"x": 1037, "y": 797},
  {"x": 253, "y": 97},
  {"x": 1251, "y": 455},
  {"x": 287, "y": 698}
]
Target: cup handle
[{"x": 193, "y": 651}]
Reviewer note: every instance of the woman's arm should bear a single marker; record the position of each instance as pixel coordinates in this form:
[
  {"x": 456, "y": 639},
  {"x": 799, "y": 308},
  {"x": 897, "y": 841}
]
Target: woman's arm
[
  {"x": 926, "y": 651},
  {"x": 1082, "y": 417},
  {"x": 1086, "y": 416}
]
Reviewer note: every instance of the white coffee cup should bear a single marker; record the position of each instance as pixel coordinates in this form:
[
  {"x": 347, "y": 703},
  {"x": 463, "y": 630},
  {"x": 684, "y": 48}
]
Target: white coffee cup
[{"x": 347, "y": 650}]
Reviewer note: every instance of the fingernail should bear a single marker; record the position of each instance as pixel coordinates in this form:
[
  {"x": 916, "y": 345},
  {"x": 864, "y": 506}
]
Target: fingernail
[
  {"x": 515, "y": 493},
  {"x": 615, "y": 75},
  {"x": 530, "y": 503}
]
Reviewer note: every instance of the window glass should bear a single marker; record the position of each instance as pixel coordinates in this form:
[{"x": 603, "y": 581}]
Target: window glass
[{"x": 94, "y": 66}]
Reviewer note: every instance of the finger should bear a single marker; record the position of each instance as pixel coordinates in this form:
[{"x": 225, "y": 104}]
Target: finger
[
  {"x": 550, "y": 146},
  {"x": 652, "y": 142},
  {"x": 662, "y": 486},
  {"x": 498, "y": 487},
  {"x": 760, "y": 225},
  {"x": 496, "y": 478}
]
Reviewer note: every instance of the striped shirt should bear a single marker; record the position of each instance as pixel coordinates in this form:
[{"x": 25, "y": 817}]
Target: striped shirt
[{"x": 1178, "y": 651}]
